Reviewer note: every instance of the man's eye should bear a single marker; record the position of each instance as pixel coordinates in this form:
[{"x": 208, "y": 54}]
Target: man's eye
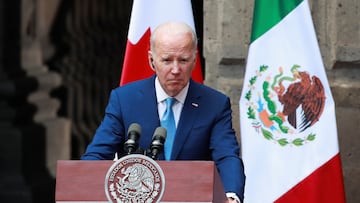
[{"x": 167, "y": 61}]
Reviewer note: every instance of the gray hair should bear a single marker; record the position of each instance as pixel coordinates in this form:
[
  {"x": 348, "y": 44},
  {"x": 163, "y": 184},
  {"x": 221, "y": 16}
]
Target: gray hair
[{"x": 175, "y": 27}]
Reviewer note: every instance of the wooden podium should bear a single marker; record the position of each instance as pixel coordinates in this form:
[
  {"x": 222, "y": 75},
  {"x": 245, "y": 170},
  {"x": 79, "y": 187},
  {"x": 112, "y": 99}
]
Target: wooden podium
[{"x": 185, "y": 181}]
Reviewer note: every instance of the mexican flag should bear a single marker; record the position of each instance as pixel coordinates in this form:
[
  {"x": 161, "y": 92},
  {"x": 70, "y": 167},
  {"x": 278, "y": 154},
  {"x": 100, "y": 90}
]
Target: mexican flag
[
  {"x": 287, "y": 113},
  {"x": 146, "y": 15}
]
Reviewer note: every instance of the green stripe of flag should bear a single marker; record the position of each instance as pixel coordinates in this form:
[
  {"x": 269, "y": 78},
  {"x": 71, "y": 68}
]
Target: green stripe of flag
[{"x": 268, "y": 13}]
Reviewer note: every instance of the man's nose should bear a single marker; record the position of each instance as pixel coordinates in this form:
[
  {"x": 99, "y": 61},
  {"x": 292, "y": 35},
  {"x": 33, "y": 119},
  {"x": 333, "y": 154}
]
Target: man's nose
[{"x": 175, "y": 68}]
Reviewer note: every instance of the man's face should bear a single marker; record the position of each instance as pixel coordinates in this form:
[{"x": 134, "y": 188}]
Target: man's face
[{"x": 174, "y": 59}]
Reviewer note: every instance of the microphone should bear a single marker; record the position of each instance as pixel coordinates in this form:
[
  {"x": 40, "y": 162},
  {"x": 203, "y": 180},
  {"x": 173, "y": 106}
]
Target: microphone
[
  {"x": 158, "y": 140},
  {"x": 134, "y": 132}
]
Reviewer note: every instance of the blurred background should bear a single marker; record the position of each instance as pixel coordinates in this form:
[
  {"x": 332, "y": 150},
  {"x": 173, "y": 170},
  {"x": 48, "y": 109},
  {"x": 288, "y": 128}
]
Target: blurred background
[{"x": 59, "y": 60}]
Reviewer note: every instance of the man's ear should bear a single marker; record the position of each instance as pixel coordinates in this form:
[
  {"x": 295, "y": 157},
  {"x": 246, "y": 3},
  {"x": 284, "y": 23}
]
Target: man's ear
[
  {"x": 152, "y": 63},
  {"x": 151, "y": 60}
]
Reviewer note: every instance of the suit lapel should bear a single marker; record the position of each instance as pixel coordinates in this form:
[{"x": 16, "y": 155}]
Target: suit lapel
[
  {"x": 188, "y": 116},
  {"x": 148, "y": 103},
  {"x": 145, "y": 112}
]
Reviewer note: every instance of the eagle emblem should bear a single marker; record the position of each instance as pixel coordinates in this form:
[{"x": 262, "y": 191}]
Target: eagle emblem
[
  {"x": 284, "y": 106},
  {"x": 134, "y": 178}
]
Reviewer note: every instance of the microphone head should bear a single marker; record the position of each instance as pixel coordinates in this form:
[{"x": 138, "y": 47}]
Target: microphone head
[
  {"x": 158, "y": 140},
  {"x": 134, "y": 132},
  {"x": 159, "y": 134},
  {"x": 134, "y": 127}
]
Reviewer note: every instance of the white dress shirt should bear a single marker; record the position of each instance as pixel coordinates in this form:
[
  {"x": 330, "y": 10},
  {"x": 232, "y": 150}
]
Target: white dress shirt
[{"x": 178, "y": 105}]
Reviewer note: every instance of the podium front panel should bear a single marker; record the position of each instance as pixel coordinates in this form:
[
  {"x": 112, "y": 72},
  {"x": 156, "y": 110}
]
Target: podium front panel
[{"x": 79, "y": 181}]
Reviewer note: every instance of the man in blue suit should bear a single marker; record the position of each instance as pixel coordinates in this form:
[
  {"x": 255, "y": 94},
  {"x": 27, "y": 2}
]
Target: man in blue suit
[{"x": 202, "y": 115}]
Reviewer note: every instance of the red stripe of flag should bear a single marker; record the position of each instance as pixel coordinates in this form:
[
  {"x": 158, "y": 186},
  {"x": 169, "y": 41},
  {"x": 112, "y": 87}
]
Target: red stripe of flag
[{"x": 324, "y": 185}]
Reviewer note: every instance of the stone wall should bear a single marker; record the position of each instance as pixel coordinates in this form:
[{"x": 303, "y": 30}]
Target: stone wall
[{"x": 227, "y": 29}]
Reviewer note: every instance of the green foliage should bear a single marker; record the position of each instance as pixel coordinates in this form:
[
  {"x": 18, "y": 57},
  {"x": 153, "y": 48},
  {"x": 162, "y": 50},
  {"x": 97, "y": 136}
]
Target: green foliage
[
  {"x": 266, "y": 134},
  {"x": 298, "y": 142},
  {"x": 294, "y": 68},
  {"x": 251, "y": 113},
  {"x": 263, "y": 68},
  {"x": 252, "y": 80},
  {"x": 283, "y": 142},
  {"x": 248, "y": 95},
  {"x": 311, "y": 137}
]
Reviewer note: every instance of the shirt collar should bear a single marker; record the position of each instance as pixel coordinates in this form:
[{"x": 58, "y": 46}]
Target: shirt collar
[{"x": 161, "y": 94}]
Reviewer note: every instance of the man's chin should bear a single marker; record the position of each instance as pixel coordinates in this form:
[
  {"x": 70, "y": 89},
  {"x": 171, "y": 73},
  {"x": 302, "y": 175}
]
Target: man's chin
[
  {"x": 173, "y": 85},
  {"x": 174, "y": 89}
]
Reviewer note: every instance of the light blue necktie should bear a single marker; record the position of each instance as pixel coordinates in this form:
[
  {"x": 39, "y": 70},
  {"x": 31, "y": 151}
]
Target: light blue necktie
[{"x": 168, "y": 122}]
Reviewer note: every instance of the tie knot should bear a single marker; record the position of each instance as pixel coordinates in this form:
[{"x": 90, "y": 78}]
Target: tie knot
[
  {"x": 169, "y": 112},
  {"x": 170, "y": 101}
]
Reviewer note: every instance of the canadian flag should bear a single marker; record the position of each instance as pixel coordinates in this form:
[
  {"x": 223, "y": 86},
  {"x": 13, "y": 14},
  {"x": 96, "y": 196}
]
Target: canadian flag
[
  {"x": 146, "y": 16},
  {"x": 287, "y": 113}
]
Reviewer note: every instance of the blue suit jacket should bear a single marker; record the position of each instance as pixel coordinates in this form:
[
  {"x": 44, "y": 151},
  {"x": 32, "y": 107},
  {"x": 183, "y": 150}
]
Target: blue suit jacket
[{"x": 204, "y": 130}]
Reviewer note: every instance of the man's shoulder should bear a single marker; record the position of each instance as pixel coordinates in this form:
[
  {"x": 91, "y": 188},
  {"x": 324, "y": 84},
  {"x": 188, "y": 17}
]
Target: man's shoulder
[{"x": 138, "y": 84}]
